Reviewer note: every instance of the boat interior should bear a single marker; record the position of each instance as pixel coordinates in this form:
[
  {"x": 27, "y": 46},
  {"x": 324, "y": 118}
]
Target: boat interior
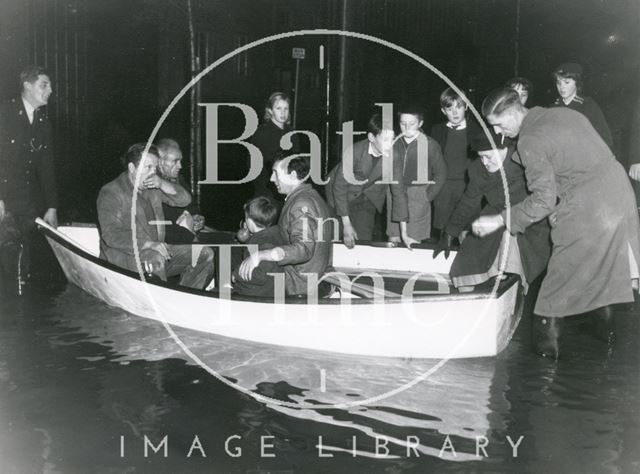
[{"x": 378, "y": 271}]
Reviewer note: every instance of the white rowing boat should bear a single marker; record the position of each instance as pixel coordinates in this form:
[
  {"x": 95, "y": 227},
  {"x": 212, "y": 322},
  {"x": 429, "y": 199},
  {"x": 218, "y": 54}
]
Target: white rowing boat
[{"x": 432, "y": 321}]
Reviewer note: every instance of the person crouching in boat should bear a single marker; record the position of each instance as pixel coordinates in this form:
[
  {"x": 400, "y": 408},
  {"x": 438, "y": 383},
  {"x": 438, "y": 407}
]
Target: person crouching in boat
[
  {"x": 260, "y": 215},
  {"x": 305, "y": 224},
  {"x": 480, "y": 258},
  {"x": 115, "y": 206}
]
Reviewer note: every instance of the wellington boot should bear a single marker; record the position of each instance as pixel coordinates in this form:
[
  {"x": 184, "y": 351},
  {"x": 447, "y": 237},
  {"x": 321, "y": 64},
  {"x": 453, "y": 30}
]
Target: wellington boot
[
  {"x": 603, "y": 324},
  {"x": 545, "y": 335}
]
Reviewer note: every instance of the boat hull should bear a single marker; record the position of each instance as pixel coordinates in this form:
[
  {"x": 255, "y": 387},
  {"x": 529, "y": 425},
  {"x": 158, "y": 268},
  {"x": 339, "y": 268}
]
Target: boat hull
[{"x": 437, "y": 326}]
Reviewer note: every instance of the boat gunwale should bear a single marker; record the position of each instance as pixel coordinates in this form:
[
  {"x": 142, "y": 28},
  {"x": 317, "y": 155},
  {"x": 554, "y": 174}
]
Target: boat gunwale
[{"x": 70, "y": 245}]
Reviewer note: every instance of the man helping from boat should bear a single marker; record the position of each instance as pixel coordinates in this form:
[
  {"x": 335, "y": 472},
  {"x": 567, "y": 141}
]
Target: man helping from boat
[
  {"x": 121, "y": 197},
  {"x": 480, "y": 258},
  {"x": 305, "y": 225}
]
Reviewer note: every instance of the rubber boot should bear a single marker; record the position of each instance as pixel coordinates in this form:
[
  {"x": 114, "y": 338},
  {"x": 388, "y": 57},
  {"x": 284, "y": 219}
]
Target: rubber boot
[
  {"x": 545, "y": 335},
  {"x": 603, "y": 324}
]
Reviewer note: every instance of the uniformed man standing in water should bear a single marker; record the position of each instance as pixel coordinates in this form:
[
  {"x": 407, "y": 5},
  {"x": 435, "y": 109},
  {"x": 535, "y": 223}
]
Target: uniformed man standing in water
[{"x": 27, "y": 178}]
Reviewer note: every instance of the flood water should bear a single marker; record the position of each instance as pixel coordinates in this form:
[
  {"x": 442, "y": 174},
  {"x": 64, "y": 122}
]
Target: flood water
[{"x": 83, "y": 385}]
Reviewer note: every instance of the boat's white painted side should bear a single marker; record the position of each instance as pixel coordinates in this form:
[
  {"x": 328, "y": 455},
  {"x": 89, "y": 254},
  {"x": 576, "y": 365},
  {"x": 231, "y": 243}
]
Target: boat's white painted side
[{"x": 456, "y": 326}]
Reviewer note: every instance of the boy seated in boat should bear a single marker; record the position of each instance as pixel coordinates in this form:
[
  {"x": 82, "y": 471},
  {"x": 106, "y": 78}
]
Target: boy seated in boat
[
  {"x": 479, "y": 258},
  {"x": 258, "y": 229},
  {"x": 115, "y": 207},
  {"x": 306, "y": 227}
]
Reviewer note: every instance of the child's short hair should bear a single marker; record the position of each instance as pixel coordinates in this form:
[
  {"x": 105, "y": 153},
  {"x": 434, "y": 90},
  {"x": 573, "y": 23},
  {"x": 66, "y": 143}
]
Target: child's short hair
[
  {"x": 413, "y": 109},
  {"x": 375, "y": 125},
  {"x": 520, "y": 81},
  {"x": 450, "y": 97},
  {"x": 261, "y": 210}
]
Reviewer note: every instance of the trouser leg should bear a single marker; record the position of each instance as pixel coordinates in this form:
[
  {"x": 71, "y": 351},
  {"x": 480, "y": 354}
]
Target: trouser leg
[
  {"x": 193, "y": 263},
  {"x": 10, "y": 271}
]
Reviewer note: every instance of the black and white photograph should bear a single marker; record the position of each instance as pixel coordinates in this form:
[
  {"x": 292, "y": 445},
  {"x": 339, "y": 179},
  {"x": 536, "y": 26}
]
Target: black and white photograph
[{"x": 319, "y": 236}]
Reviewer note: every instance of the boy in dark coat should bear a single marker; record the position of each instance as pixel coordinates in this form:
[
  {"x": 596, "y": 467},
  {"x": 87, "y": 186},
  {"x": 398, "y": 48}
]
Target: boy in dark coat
[
  {"x": 452, "y": 138},
  {"x": 259, "y": 229}
]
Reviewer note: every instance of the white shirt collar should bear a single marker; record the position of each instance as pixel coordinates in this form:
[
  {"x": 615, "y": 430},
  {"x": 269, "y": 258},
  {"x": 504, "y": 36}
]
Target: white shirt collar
[
  {"x": 373, "y": 151},
  {"x": 461, "y": 126},
  {"x": 30, "y": 109}
]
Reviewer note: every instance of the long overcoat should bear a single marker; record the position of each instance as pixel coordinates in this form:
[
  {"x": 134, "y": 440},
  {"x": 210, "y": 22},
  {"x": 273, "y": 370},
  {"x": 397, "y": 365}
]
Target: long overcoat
[{"x": 572, "y": 172}]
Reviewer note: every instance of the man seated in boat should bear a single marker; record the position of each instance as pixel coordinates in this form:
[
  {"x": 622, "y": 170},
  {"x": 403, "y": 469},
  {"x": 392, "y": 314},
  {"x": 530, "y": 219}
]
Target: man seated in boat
[
  {"x": 306, "y": 228},
  {"x": 186, "y": 221},
  {"x": 260, "y": 215},
  {"x": 479, "y": 258},
  {"x": 115, "y": 205}
]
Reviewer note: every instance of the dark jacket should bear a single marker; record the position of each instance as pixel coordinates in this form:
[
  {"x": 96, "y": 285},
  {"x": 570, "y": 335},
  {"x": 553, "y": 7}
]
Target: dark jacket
[
  {"x": 405, "y": 158},
  {"x": 306, "y": 251},
  {"x": 590, "y": 109},
  {"x": 114, "y": 216},
  {"x": 261, "y": 283},
  {"x": 267, "y": 139},
  {"x": 174, "y": 233},
  {"x": 440, "y": 133},
  {"x": 534, "y": 243},
  {"x": 365, "y": 167},
  {"x": 27, "y": 177}
]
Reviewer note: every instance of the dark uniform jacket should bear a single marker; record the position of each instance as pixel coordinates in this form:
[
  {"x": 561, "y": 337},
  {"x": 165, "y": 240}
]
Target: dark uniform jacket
[
  {"x": 27, "y": 178},
  {"x": 306, "y": 251},
  {"x": 590, "y": 109},
  {"x": 114, "y": 216}
]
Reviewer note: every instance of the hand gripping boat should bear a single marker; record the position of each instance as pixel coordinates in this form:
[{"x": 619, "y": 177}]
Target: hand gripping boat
[{"x": 396, "y": 303}]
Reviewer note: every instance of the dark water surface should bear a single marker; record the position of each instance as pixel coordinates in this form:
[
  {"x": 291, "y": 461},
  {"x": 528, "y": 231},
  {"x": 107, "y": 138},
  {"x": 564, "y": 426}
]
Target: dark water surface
[{"x": 82, "y": 385}]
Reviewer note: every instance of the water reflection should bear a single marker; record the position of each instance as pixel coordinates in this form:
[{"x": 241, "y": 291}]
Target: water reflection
[
  {"x": 453, "y": 401},
  {"x": 80, "y": 381}
]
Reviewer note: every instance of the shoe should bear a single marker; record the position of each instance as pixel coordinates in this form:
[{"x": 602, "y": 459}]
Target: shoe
[
  {"x": 603, "y": 324},
  {"x": 545, "y": 334}
]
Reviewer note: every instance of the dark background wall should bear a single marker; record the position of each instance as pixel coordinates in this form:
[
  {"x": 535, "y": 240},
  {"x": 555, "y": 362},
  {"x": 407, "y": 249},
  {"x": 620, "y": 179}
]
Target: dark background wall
[{"x": 117, "y": 64}]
